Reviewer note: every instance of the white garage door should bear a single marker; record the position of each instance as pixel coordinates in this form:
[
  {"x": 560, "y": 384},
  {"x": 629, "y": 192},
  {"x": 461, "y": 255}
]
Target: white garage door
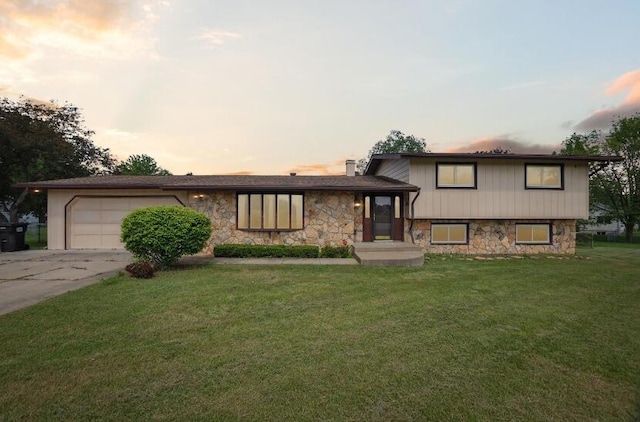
[{"x": 94, "y": 222}]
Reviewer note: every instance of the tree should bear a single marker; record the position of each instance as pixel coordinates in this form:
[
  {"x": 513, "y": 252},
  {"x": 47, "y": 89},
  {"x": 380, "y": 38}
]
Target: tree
[
  {"x": 496, "y": 151},
  {"x": 140, "y": 165},
  {"x": 614, "y": 185},
  {"x": 395, "y": 142},
  {"x": 582, "y": 144},
  {"x": 40, "y": 142}
]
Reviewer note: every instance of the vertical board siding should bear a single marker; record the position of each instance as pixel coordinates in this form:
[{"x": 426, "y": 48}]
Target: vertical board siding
[
  {"x": 501, "y": 193},
  {"x": 395, "y": 169}
]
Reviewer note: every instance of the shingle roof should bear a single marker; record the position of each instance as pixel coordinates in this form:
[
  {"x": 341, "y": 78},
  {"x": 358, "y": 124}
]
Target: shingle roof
[{"x": 228, "y": 182}]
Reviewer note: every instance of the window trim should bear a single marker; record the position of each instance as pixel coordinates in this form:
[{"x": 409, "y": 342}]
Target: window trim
[
  {"x": 557, "y": 165},
  {"x": 262, "y": 194},
  {"x": 534, "y": 242},
  {"x": 447, "y": 163},
  {"x": 449, "y": 242}
]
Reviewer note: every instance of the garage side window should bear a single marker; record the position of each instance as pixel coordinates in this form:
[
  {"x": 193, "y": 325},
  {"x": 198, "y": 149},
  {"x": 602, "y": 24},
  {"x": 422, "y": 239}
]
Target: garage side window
[{"x": 270, "y": 211}]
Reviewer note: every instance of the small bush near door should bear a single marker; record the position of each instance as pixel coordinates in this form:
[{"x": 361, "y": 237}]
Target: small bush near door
[{"x": 162, "y": 234}]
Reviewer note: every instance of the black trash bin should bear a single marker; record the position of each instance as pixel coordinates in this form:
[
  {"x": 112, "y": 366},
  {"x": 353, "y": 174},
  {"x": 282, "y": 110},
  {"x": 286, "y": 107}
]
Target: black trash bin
[{"x": 12, "y": 236}]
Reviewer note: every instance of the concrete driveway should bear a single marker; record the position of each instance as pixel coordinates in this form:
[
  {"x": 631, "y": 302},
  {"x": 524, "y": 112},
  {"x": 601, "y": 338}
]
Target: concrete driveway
[{"x": 28, "y": 277}]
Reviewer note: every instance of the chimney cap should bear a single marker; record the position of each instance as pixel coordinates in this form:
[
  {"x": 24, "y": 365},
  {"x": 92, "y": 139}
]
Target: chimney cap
[{"x": 292, "y": 174}]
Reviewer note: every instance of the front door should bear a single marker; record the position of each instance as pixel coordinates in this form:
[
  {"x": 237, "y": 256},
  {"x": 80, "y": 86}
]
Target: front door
[{"x": 382, "y": 217}]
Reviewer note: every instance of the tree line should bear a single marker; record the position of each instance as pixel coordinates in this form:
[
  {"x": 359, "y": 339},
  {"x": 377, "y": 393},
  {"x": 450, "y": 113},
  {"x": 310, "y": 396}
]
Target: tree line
[{"x": 45, "y": 141}]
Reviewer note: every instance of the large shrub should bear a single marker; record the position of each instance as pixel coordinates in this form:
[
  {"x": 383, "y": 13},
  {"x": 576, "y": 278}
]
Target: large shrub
[{"x": 163, "y": 234}]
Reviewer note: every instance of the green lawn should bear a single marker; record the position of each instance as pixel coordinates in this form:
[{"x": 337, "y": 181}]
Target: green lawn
[{"x": 518, "y": 339}]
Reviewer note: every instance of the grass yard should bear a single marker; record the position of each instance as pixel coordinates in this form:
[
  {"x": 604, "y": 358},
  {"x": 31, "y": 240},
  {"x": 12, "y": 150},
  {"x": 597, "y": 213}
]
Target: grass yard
[{"x": 519, "y": 339}]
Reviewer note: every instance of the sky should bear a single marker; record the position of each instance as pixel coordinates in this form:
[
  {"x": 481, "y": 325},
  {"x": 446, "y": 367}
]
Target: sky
[{"x": 273, "y": 87}]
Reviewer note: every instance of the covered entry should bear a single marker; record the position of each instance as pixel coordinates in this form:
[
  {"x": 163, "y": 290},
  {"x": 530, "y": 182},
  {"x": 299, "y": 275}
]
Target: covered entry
[
  {"x": 383, "y": 217},
  {"x": 93, "y": 222}
]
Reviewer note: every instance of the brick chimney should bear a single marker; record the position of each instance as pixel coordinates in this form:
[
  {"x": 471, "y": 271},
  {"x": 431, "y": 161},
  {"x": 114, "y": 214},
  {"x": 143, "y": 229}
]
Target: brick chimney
[{"x": 351, "y": 167}]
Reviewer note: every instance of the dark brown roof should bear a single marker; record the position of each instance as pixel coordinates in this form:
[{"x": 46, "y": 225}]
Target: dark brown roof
[
  {"x": 378, "y": 158},
  {"x": 229, "y": 182}
]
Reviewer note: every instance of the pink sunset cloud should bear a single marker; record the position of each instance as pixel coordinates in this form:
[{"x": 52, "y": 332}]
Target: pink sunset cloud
[
  {"x": 325, "y": 169},
  {"x": 87, "y": 27},
  {"x": 601, "y": 119},
  {"x": 506, "y": 143}
]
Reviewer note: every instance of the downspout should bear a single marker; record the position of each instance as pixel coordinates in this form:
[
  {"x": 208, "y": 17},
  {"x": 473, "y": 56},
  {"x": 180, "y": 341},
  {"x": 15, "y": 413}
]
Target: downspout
[{"x": 413, "y": 203}]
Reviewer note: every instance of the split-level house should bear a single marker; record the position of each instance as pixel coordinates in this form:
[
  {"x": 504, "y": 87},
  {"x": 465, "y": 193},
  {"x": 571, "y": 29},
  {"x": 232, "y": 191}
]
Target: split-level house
[{"x": 445, "y": 203}]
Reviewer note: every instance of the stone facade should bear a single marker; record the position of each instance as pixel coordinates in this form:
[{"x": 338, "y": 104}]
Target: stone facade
[
  {"x": 498, "y": 237},
  {"x": 330, "y": 219}
]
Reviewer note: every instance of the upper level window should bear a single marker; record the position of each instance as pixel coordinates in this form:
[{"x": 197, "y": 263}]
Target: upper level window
[
  {"x": 543, "y": 176},
  {"x": 461, "y": 175},
  {"x": 270, "y": 211}
]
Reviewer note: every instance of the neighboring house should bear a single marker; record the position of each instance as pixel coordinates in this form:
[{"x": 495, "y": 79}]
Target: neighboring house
[
  {"x": 601, "y": 222},
  {"x": 454, "y": 203}
]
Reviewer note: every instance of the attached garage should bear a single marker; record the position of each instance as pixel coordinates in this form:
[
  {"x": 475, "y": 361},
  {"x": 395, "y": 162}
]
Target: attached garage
[
  {"x": 79, "y": 217},
  {"x": 93, "y": 222}
]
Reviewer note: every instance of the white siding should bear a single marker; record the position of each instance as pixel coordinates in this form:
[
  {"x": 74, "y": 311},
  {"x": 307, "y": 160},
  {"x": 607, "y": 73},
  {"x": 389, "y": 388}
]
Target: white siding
[
  {"x": 395, "y": 169},
  {"x": 501, "y": 193}
]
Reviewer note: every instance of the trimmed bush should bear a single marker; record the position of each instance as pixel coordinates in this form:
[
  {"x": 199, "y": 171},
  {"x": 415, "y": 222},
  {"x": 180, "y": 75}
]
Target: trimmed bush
[
  {"x": 140, "y": 269},
  {"x": 280, "y": 251},
  {"x": 335, "y": 252},
  {"x": 162, "y": 234},
  {"x": 266, "y": 251}
]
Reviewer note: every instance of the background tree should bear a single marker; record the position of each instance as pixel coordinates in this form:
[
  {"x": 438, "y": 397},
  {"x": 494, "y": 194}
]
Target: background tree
[
  {"x": 614, "y": 186},
  {"x": 496, "y": 151},
  {"x": 142, "y": 164},
  {"x": 395, "y": 142},
  {"x": 41, "y": 142}
]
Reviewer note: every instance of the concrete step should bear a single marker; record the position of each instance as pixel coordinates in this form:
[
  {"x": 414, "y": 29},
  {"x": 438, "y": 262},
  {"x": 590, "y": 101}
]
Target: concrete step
[
  {"x": 386, "y": 247},
  {"x": 390, "y": 258},
  {"x": 388, "y": 253}
]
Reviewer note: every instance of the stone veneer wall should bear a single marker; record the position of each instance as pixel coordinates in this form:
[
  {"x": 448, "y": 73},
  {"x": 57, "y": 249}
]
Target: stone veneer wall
[
  {"x": 330, "y": 219},
  {"x": 498, "y": 237}
]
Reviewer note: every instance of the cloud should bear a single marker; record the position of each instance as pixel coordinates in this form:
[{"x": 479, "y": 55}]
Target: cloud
[
  {"x": 602, "y": 119},
  {"x": 325, "y": 169},
  {"x": 567, "y": 124},
  {"x": 94, "y": 28},
  {"x": 241, "y": 173},
  {"x": 506, "y": 142},
  {"x": 216, "y": 37}
]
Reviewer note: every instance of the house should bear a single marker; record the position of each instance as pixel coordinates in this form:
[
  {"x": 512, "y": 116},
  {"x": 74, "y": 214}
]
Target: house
[
  {"x": 445, "y": 203},
  {"x": 602, "y": 222},
  {"x": 86, "y": 213}
]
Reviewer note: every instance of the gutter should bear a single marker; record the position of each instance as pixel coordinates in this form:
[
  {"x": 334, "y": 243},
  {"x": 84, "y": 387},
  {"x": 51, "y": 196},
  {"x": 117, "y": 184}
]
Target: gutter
[{"x": 412, "y": 218}]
